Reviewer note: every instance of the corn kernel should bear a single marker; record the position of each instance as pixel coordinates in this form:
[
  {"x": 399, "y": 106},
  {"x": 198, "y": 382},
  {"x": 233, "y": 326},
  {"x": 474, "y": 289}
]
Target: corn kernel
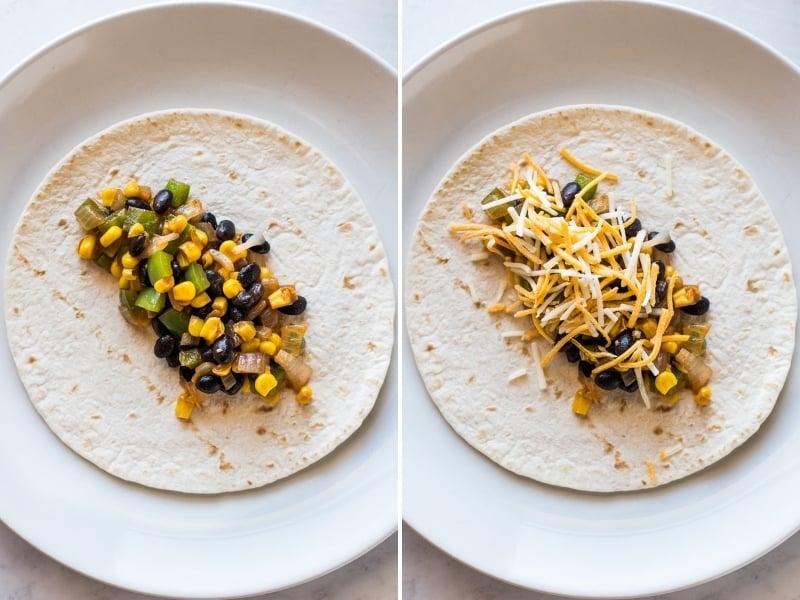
[
  {"x": 649, "y": 328},
  {"x": 108, "y": 195},
  {"x": 212, "y": 329},
  {"x": 195, "y": 325},
  {"x": 265, "y": 273},
  {"x": 199, "y": 237},
  {"x": 88, "y": 248},
  {"x": 128, "y": 261},
  {"x": 250, "y": 346},
  {"x": 703, "y": 396},
  {"x": 581, "y": 403},
  {"x": 219, "y": 305},
  {"x": 177, "y": 224},
  {"x": 282, "y": 297},
  {"x": 184, "y": 406},
  {"x": 304, "y": 395},
  {"x": 191, "y": 251},
  {"x": 686, "y": 296},
  {"x": 124, "y": 283},
  {"x": 200, "y": 300},
  {"x": 184, "y": 292},
  {"x": 164, "y": 284},
  {"x": 128, "y": 274},
  {"x": 131, "y": 189},
  {"x": 228, "y": 248},
  {"x": 670, "y": 347},
  {"x": 206, "y": 260},
  {"x": 231, "y": 287},
  {"x": 264, "y": 383},
  {"x": 136, "y": 229},
  {"x": 111, "y": 235},
  {"x": 665, "y": 381},
  {"x": 145, "y": 192},
  {"x": 245, "y": 330},
  {"x": 116, "y": 268},
  {"x": 267, "y": 347},
  {"x": 275, "y": 339}
]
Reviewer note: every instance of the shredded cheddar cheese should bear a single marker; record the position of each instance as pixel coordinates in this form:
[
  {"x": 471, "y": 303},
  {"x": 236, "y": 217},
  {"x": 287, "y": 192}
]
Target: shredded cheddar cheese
[{"x": 578, "y": 271}]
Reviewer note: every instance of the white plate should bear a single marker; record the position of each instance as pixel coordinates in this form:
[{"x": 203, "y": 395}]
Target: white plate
[
  {"x": 729, "y": 87},
  {"x": 323, "y": 89}
]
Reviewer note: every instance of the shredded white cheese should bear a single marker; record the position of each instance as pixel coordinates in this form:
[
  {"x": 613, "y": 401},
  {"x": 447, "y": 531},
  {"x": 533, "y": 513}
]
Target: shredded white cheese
[
  {"x": 521, "y": 372},
  {"x": 537, "y": 363}
]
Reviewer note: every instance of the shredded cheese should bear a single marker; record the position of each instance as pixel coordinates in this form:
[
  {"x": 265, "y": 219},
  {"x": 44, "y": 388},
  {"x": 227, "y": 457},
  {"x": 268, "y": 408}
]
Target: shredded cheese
[
  {"x": 521, "y": 372},
  {"x": 576, "y": 271}
]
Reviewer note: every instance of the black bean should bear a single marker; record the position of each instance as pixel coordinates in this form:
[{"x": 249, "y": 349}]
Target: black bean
[
  {"x": 208, "y": 383},
  {"x": 159, "y": 328},
  {"x": 661, "y": 290},
  {"x": 249, "y": 274},
  {"x": 568, "y": 193},
  {"x": 173, "y": 360},
  {"x": 226, "y": 230},
  {"x": 235, "y": 314},
  {"x": 572, "y": 353},
  {"x": 243, "y": 299},
  {"x": 186, "y": 373},
  {"x": 138, "y": 242},
  {"x": 622, "y": 342},
  {"x": 141, "y": 273},
  {"x": 621, "y": 287},
  {"x": 164, "y": 346},
  {"x": 215, "y": 280},
  {"x": 698, "y": 308},
  {"x": 137, "y": 203},
  {"x": 222, "y": 350},
  {"x": 608, "y": 380},
  {"x": 207, "y": 354},
  {"x": 260, "y": 248},
  {"x": 257, "y": 291},
  {"x": 665, "y": 247},
  {"x": 203, "y": 311},
  {"x": 634, "y": 228},
  {"x": 176, "y": 270},
  {"x": 297, "y": 307},
  {"x": 162, "y": 201},
  {"x": 209, "y": 218},
  {"x": 585, "y": 367}
]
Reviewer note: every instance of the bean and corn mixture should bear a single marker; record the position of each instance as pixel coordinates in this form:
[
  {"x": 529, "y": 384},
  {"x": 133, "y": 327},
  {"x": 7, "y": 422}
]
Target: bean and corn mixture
[
  {"x": 220, "y": 316},
  {"x": 597, "y": 285}
]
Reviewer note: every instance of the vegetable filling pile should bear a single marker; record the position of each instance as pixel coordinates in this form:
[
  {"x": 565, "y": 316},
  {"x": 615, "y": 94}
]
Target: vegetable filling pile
[
  {"x": 596, "y": 284},
  {"x": 220, "y": 316}
]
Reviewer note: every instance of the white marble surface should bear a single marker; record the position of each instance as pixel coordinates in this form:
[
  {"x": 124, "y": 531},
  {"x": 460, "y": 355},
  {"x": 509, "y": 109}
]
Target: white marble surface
[
  {"x": 26, "y": 26},
  {"x": 428, "y": 572}
]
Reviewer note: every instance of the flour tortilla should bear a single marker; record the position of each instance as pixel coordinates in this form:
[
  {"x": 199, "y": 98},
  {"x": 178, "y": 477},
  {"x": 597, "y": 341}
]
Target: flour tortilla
[
  {"x": 727, "y": 241},
  {"x": 94, "y": 378}
]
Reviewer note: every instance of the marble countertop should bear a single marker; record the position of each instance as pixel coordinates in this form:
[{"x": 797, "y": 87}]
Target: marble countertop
[
  {"x": 429, "y": 573},
  {"x": 27, "y": 25}
]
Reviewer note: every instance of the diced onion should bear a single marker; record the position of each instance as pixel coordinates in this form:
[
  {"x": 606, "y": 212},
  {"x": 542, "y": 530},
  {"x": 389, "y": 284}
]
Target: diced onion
[{"x": 250, "y": 362}]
